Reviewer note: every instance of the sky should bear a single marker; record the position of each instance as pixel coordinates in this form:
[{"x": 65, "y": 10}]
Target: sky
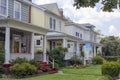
[{"x": 107, "y": 22}]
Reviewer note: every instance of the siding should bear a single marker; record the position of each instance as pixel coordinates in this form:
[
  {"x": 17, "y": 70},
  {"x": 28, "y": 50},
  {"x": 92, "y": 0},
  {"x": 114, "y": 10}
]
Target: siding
[{"x": 24, "y": 11}]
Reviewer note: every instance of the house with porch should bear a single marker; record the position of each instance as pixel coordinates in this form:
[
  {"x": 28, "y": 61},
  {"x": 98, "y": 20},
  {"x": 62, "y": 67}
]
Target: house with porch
[
  {"x": 88, "y": 38},
  {"x": 16, "y": 31},
  {"x": 51, "y": 17}
]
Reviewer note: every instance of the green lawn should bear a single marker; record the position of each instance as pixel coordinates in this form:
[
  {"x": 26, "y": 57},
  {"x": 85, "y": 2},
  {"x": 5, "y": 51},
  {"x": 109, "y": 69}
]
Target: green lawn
[{"x": 89, "y": 73}]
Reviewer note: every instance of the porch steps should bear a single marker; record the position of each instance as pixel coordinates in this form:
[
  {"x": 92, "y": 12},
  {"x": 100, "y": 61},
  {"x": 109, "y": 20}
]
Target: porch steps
[{"x": 47, "y": 68}]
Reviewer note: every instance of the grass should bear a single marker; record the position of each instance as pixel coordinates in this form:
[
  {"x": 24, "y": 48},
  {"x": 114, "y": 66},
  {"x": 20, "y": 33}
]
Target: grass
[{"x": 89, "y": 73}]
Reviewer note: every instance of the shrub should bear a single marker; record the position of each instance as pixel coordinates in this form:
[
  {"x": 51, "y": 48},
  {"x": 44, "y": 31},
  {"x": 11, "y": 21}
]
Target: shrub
[
  {"x": 112, "y": 58},
  {"x": 105, "y": 78},
  {"x": 18, "y": 61},
  {"x": 58, "y": 55},
  {"x": 39, "y": 52},
  {"x": 33, "y": 62},
  {"x": 97, "y": 60},
  {"x": 76, "y": 61},
  {"x": 1, "y": 71},
  {"x": 2, "y": 55},
  {"x": 21, "y": 70},
  {"x": 56, "y": 65},
  {"x": 111, "y": 68}
]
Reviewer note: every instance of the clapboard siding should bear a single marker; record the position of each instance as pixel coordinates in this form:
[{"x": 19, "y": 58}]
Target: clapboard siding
[{"x": 24, "y": 11}]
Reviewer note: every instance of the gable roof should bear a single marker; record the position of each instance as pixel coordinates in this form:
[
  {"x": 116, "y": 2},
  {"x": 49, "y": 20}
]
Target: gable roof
[{"x": 53, "y": 7}]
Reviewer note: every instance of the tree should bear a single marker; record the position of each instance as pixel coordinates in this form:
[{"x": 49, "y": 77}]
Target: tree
[
  {"x": 111, "y": 46},
  {"x": 108, "y": 5}
]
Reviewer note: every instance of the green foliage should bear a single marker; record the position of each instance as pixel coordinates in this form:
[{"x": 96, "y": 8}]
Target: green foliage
[
  {"x": 21, "y": 70},
  {"x": 111, "y": 46},
  {"x": 105, "y": 78},
  {"x": 1, "y": 71},
  {"x": 18, "y": 61},
  {"x": 39, "y": 52},
  {"x": 99, "y": 53},
  {"x": 58, "y": 54},
  {"x": 111, "y": 68},
  {"x": 34, "y": 62},
  {"x": 97, "y": 60},
  {"x": 56, "y": 65},
  {"x": 76, "y": 61},
  {"x": 108, "y": 5},
  {"x": 111, "y": 58},
  {"x": 2, "y": 55},
  {"x": 82, "y": 53}
]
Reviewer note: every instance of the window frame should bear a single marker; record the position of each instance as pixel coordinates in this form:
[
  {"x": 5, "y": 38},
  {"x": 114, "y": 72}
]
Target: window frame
[
  {"x": 36, "y": 43},
  {"x": 52, "y": 23},
  {"x": 14, "y": 9},
  {"x": 5, "y": 15},
  {"x": 60, "y": 26}
]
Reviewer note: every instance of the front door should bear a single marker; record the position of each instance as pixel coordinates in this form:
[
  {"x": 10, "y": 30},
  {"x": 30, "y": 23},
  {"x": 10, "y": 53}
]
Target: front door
[
  {"x": 52, "y": 45},
  {"x": 16, "y": 44}
]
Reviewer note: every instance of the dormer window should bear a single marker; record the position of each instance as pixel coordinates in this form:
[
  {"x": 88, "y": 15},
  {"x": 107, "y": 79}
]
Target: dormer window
[
  {"x": 17, "y": 10},
  {"x": 3, "y": 7}
]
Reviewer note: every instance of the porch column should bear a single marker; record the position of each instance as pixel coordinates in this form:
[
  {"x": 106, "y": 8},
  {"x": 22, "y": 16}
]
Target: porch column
[
  {"x": 32, "y": 45},
  {"x": 85, "y": 58},
  {"x": 78, "y": 49},
  {"x": 44, "y": 49},
  {"x": 7, "y": 45},
  {"x": 64, "y": 43},
  {"x": 94, "y": 50}
]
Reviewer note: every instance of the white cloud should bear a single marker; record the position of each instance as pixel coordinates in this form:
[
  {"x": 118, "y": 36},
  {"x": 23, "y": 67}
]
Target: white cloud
[
  {"x": 112, "y": 29},
  {"x": 102, "y": 20}
]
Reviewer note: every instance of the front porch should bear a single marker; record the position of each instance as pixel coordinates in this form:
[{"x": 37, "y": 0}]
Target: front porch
[
  {"x": 56, "y": 39},
  {"x": 17, "y": 39}
]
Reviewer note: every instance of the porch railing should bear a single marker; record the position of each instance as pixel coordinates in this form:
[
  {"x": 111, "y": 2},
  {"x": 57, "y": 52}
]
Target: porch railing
[{"x": 51, "y": 60}]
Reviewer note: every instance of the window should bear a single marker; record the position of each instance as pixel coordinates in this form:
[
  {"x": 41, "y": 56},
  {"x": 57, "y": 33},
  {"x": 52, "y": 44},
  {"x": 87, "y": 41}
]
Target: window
[
  {"x": 81, "y": 36},
  {"x": 38, "y": 42},
  {"x": 52, "y": 24},
  {"x": 60, "y": 26},
  {"x": 17, "y": 10},
  {"x": 3, "y": 7},
  {"x": 77, "y": 34}
]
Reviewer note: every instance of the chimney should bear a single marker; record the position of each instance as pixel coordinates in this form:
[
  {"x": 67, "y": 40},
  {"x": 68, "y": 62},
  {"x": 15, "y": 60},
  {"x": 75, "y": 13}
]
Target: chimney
[{"x": 61, "y": 12}]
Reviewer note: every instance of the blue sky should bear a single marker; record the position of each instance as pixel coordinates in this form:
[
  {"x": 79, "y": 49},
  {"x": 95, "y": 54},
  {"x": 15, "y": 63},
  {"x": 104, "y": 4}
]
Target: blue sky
[{"x": 108, "y": 23}]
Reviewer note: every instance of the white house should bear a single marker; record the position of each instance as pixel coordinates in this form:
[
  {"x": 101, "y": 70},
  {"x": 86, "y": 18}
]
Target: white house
[{"x": 87, "y": 37}]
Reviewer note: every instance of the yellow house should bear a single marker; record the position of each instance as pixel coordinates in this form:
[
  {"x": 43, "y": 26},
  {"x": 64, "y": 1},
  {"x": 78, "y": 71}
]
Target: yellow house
[{"x": 48, "y": 16}]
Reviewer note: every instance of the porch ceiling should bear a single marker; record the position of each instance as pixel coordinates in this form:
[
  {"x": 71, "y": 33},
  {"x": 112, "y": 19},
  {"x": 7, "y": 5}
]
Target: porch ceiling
[{"x": 23, "y": 26}]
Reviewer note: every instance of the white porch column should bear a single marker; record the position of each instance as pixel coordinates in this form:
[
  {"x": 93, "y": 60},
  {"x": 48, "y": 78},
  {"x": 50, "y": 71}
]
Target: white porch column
[
  {"x": 7, "y": 45},
  {"x": 94, "y": 50},
  {"x": 78, "y": 48},
  {"x": 44, "y": 49},
  {"x": 32, "y": 45},
  {"x": 85, "y": 56},
  {"x": 64, "y": 42}
]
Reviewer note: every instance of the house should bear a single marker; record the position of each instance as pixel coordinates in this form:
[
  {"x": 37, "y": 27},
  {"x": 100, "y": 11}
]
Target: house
[
  {"x": 16, "y": 31},
  {"x": 52, "y": 18},
  {"x": 89, "y": 39}
]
